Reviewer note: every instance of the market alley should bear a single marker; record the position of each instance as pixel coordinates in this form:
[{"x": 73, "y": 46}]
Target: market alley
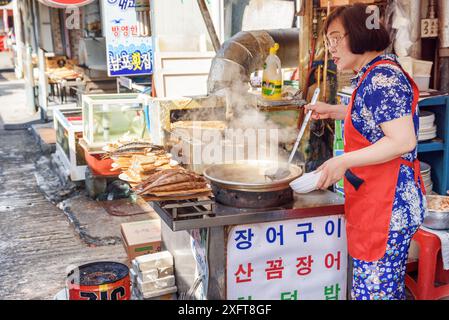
[{"x": 37, "y": 243}]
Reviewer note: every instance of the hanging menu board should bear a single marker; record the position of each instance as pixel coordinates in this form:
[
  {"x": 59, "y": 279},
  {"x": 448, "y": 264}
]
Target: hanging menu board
[
  {"x": 302, "y": 259},
  {"x": 128, "y": 53}
]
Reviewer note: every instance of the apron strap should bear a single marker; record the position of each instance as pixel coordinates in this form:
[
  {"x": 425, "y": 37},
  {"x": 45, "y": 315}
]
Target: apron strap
[{"x": 415, "y": 165}]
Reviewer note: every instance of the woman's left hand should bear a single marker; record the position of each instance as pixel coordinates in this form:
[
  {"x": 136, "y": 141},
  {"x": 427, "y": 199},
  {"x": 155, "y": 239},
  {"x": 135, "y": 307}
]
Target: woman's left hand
[{"x": 332, "y": 171}]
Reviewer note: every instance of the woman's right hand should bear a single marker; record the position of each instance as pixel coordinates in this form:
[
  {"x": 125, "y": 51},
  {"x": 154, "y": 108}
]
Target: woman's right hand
[{"x": 321, "y": 110}]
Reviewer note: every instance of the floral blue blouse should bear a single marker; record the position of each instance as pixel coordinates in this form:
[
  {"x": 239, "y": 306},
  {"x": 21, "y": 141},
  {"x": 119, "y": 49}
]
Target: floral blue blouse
[{"x": 385, "y": 95}]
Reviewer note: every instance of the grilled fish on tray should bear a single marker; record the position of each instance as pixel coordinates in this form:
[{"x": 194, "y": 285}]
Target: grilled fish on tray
[{"x": 172, "y": 182}]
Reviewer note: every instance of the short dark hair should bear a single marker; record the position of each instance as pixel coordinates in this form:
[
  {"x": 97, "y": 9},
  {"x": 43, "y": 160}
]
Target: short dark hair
[{"x": 361, "y": 38}]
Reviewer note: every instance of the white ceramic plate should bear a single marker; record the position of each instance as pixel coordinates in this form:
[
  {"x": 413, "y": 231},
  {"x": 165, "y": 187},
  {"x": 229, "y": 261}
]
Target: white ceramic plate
[
  {"x": 427, "y": 136},
  {"x": 432, "y": 129},
  {"x": 426, "y": 119}
]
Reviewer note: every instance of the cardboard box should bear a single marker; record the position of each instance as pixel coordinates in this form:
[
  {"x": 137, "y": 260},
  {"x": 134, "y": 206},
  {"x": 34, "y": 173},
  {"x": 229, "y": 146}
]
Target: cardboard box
[{"x": 141, "y": 238}]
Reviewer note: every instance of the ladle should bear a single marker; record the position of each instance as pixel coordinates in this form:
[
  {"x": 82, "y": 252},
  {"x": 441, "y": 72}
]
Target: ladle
[{"x": 281, "y": 173}]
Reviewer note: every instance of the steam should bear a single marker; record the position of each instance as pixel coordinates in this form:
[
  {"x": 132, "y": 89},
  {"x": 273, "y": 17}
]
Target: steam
[{"x": 250, "y": 134}]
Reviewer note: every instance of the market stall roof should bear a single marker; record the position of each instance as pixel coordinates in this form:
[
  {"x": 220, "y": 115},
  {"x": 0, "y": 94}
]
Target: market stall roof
[{"x": 65, "y": 3}]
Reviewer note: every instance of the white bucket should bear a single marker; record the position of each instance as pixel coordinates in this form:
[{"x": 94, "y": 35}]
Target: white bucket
[
  {"x": 416, "y": 67},
  {"x": 422, "y": 67},
  {"x": 423, "y": 82}
]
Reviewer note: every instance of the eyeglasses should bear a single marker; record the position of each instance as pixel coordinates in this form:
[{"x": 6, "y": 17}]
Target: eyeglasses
[{"x": 334, "y": 41}]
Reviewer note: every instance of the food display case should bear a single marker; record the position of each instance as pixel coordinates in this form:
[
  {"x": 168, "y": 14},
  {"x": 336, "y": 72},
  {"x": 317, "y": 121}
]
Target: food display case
[
  {"x": 164, "y": 113},
  {"x": 110, "y": 117},
  {"x": 69, "y": 130}
]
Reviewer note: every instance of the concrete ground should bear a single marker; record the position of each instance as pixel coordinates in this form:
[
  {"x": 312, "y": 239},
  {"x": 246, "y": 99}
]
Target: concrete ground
[{"x": 37, "y": 241}]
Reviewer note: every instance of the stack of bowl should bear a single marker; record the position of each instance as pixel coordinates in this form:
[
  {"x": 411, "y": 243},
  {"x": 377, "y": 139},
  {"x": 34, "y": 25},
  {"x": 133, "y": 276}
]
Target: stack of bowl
[
  {"x": 425, "y": 173},
  {"x": 427, "y": 126}
]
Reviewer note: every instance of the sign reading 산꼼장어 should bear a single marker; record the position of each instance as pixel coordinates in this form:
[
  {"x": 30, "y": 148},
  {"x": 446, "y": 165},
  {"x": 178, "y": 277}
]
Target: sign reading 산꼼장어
[{"x": 301, "y": 259}]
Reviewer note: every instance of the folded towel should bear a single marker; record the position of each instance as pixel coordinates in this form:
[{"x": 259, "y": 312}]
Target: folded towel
[{"x": 444, "y": 238}]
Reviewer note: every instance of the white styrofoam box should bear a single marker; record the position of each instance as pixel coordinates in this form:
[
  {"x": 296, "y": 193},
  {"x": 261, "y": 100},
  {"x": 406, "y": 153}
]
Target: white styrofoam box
[
  {"x": 149, "y": 275},
  {"x": 156, "y": 273},
  {"x": 154, "y": 260},
  {"x": 166, "y": 297},
  {"x": 166, "y": 271},
  {"x": 158, "y": 284},
  {"x": 158, "y": 293}
]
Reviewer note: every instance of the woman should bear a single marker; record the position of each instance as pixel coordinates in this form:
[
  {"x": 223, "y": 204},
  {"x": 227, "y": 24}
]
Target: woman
[{"x": 384, "y": 201}]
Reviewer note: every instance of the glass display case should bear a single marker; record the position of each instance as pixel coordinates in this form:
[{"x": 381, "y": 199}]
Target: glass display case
[
  {"x": 110, "y": 117},
  {"x": 69, "y": 130}
]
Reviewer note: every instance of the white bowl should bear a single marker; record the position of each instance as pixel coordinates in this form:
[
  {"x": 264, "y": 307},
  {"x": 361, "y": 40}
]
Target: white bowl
[
  {"x": 306, "y": 183},
  {"x": 425, "y": 167}
]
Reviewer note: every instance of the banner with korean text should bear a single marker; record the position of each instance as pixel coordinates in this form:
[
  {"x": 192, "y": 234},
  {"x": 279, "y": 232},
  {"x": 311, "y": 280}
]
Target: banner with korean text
[
  {"x": 128, "y": 52},
  {"x": 302, "y": 259}
]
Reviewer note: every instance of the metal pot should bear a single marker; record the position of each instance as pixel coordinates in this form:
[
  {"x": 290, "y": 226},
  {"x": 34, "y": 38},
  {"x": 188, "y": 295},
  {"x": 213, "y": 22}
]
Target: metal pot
[
  {"x": 244, "y": 184},
  {"x": 436, "y": 220},
  {"x": 434, "y": 217}
]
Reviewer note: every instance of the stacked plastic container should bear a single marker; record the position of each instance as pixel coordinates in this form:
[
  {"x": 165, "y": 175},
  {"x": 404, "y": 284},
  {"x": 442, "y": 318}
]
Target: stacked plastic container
[{"x": 419, "y": 70}]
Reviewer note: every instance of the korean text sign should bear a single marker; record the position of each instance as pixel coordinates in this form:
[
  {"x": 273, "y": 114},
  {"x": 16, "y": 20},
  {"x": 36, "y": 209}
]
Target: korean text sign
[
  {"x": 128, "y": 53},
  {"x": 302, "y": 259}
]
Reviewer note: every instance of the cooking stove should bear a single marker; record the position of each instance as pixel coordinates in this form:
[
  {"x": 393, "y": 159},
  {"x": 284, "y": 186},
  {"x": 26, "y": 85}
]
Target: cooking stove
[{"x": 206, "y": 212}]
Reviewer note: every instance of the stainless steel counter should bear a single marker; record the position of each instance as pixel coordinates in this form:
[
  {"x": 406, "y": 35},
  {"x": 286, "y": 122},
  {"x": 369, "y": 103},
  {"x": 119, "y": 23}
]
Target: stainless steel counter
[
  {"x": 188, "y": 215},
  {"x": 196, "y": 234}
]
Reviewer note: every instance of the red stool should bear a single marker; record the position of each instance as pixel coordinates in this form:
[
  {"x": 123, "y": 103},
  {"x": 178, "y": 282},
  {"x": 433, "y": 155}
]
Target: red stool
[{"x": 430, "y": 269}]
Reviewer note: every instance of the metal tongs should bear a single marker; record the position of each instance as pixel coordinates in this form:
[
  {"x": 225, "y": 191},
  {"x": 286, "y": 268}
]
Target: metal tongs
[{"x": 282, "y": 173}]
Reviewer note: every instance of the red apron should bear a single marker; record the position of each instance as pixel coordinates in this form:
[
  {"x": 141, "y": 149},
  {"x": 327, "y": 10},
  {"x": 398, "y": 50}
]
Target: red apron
[{"x": 368, "y": 209}]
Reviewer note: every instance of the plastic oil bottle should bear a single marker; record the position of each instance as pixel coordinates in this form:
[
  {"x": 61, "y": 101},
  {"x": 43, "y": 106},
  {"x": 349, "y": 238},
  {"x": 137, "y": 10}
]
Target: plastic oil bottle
[{"x": 272, "y": 76}]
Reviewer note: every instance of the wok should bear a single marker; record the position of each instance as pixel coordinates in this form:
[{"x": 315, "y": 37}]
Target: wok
[{"x": 250, "y": 175}]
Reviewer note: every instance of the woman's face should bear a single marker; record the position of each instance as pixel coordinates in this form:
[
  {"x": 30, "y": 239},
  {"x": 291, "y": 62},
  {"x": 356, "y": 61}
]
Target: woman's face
[{"x": 338, "y": 43}]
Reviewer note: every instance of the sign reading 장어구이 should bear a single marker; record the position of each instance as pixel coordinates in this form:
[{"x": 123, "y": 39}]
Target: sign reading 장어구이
[{"x": 300, "y": 259}]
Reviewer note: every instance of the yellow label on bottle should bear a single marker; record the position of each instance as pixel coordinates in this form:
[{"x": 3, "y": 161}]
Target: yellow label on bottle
[{"x": 272, "y": 89}]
